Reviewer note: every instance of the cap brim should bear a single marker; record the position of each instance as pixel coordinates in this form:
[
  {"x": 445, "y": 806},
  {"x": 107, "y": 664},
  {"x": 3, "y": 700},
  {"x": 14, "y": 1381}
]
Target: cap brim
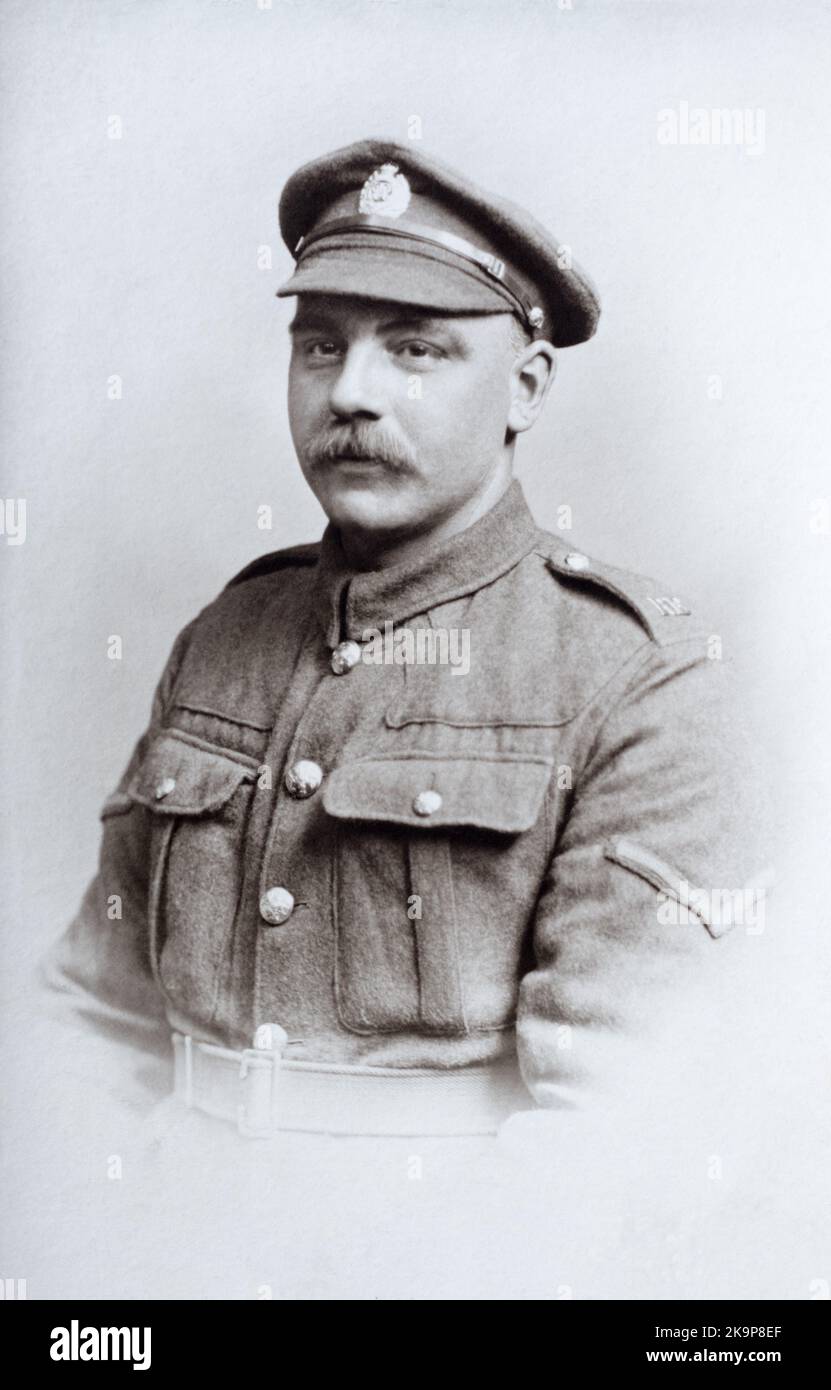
[{"x": 397, "y": 276}]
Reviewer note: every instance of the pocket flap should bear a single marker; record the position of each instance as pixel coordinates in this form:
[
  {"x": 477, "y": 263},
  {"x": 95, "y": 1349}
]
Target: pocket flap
[
  {"x": 180, "y": 778},
  {"x": 498, "y": 792},
  {"x": 116, "y": 805}
]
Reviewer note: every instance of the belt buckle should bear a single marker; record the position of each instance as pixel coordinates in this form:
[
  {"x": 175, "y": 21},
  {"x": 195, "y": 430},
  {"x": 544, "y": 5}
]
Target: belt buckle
[{"x": 259, "y": 1076}]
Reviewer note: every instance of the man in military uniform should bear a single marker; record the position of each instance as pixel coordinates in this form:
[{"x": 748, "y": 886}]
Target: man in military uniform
[{"x": 367, "y": 888}]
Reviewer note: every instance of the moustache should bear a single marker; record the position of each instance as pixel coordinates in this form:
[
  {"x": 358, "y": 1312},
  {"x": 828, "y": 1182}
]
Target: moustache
[{"x": 361, "y": 441}]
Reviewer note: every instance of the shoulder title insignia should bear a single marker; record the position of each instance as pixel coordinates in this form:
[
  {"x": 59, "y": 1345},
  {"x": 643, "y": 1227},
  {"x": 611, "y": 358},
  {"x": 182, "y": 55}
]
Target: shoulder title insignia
[{"x": 670, "y": 606}]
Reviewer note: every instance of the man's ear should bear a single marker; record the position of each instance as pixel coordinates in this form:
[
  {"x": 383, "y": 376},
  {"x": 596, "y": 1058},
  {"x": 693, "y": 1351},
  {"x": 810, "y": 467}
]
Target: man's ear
[{"x": 532, "y": 376}]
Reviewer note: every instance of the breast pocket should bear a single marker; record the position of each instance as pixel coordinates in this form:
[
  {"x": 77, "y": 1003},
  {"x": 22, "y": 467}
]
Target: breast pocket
[
  {"x": 437, "y": 862},
  {"x": 199, "y": 799}
]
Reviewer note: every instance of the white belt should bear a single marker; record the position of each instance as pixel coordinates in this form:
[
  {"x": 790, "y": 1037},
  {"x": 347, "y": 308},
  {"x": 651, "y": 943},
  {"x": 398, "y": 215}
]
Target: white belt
[{"x": 262, "y": 1094}]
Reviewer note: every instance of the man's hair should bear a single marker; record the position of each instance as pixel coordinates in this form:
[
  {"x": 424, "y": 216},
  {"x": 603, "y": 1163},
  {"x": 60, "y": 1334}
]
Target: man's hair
[{"x": 520, "y": 337}]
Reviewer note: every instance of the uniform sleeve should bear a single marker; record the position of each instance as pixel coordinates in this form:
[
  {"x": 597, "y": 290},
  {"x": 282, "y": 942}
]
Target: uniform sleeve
[
  {"x": 659, "y": 872},
  {"x": 97, "y": 981}
]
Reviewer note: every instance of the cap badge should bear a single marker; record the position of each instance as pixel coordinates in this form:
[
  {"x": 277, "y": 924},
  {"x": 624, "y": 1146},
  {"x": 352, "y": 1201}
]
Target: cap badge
[{"x": 386, "y": 193}]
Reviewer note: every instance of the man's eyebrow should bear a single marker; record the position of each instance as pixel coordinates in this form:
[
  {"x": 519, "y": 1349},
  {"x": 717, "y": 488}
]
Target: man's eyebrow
[
  {"x": 430, "y": 325},
  {"x": 430, "y": 322},
  {"x": 433, "y": 323},
  {"x": 309, "y": 320}
]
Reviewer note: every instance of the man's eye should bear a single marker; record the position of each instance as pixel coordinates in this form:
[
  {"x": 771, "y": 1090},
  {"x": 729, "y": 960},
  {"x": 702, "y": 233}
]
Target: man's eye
[
  {"x": 417, "y": 351},
  {"x": 322, "y": 348}
]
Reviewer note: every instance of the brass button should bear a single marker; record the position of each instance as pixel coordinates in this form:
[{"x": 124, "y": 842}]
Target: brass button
[
  {"x": 276, "y": 906},
  {"x": 270, "y": 1037},
  {"x": 344, "y": 657},
  {"x": 303, "y": 779},
  {"x": 576, "y": 561},
  {"x": 165, "y": 787},
  {"x": 427, "y": 803}
]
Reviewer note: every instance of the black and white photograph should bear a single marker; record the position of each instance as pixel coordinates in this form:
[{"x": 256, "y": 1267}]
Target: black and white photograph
[{"x": 416, "y": 520}]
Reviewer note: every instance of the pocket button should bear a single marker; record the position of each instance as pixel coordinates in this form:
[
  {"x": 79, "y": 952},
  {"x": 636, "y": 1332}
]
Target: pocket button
[
  {"x": 427, "y": 803},
  {"x": 303, "y": 779},
  {"x": 165, "y": 787}
]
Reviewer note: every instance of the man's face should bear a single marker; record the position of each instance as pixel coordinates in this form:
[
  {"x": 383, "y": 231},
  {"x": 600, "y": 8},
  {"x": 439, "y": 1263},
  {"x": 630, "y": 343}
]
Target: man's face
[{"x": 398, "y": 414}]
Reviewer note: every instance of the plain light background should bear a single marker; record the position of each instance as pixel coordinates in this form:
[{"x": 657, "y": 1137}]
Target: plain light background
[{"x": 138, "y": 257}]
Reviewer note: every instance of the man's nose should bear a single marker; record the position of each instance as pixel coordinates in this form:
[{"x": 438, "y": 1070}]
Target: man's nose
[{"x": 357, "y": 387}]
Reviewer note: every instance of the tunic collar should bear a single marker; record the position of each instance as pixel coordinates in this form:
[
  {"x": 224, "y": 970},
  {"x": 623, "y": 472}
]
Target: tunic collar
[{"x": 349, "y": 601}]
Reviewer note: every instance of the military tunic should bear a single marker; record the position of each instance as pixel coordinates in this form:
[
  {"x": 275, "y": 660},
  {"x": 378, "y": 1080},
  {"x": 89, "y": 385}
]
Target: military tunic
[{"x": 404, "y": 864}]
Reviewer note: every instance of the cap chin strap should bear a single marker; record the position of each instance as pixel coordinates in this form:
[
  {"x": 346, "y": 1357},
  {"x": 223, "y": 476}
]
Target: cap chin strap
[{"x": 531, "y": 313}]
